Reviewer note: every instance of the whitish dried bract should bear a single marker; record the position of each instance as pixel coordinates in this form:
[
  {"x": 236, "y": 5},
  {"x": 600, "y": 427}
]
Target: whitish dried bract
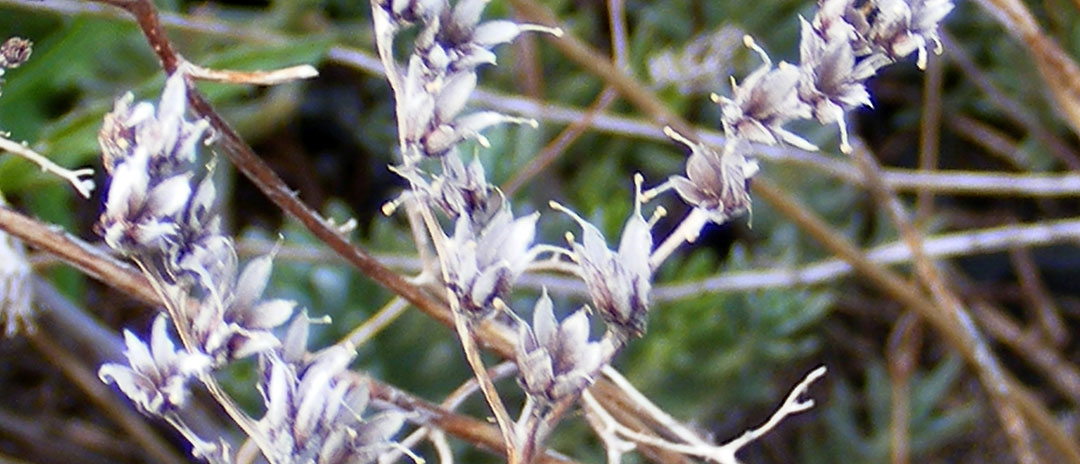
[
  {"x": 441, "y": 73},
  {"x": 314, "y": 413},
  {"x": 557, "y": 360},
  {"x": 156, "y": 375},
  {"x": 233, "y": 320},
  {"x": 147, "y": 154},
  {"x": 618, "y": 281},
  {"x": 482, "y": 266},
  {"x": 830, "y": 80},
  {"x": 765, "y": 101},
  {"x": 717, "y": 183}
]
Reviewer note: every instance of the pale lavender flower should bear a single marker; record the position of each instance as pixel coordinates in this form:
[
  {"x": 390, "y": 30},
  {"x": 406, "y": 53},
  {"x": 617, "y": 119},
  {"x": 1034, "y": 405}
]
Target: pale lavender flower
[
  {"x": 314, "y": 412},
  {"x": 141, "y": 212},
  {"x": 898, "y": 28},
  {"x": 147, "y": 153},
  {"x": 618, "y": 281},
  {"x": 156, "y": 375},
  {"x": 14, "y": 52},
  {"x": 441, "y": 73},
  {"x": 232, "y": 320},
  {"x": 830, "y": 80},
  {"x": 697, "y": 66},
  {"x": 764, "y": 101},
  {"x": 465, "y": 191},
  {"x": 557, "y": 360},
  {"x": 168, "y": 139},
  {"x": 717, "y": 183},
  {"x": 482, "y": 265},
  {"x": 15, "y": 308}
]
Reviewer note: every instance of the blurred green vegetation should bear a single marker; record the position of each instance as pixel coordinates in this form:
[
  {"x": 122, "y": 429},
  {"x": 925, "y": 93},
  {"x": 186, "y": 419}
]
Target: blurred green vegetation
[{"x": 722, "y": 362}]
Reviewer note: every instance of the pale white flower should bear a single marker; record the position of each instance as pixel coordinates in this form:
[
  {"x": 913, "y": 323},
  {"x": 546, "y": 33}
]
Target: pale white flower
[
  {"x": 717, "y": 183},
  {"x": 314, "y": 412},
  {"x": 557, "y": 360},
  {"x": 156, "y": 376},
  {"x": 618, "y": 281}
]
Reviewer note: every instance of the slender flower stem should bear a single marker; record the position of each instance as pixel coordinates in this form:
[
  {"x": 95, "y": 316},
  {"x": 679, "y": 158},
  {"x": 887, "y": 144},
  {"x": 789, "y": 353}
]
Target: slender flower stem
[
  {"x": 383, "y": 318},
  {"x": 687, "y": 232},
  {"x": 75, "y": 178}
]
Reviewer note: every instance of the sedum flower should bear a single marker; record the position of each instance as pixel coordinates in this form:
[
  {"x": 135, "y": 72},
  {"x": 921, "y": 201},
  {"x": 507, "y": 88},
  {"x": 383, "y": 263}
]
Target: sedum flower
[
  {"x": 716, "y": 183},
  {"x": 156, "y": 375},
  {"x": 830, "y": 80},
  {"x": 233, "y": 321},
  {"x": 764, "y": 101},
  {"x": 482, "y": 265},
  {"x": 147, "y": 152},
  {"x": 314, "y": 412},
  {"x": 557, "y": 360},
  {"x": 618, "y": 281}
]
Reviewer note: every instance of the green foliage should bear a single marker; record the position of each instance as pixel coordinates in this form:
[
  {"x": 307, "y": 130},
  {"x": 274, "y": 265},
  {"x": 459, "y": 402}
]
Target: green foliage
[{"x": 856, "y": 422}]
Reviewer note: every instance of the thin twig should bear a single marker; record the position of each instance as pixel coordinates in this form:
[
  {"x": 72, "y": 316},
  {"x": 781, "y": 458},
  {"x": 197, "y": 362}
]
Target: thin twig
[
  {"x": 988, "y": 369},
  {"x": 75, "y": 178},
  {"x": 929, "y": 133},
  {"x": 376, "y": 323},
  {"x": 963, "y": 243},
  {"x": 902, "y": 351},
  {"x": 1047, "y": 314}
]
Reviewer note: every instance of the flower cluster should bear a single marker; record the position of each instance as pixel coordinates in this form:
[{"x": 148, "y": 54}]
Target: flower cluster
[
  {"x": 845, "y": 44},
  {"x": 557, "y": 360},
  {"x": 154, "y": 216},
  {"x": 156, "y": 375},
  {"x": 148, "y": 154},
  {"x": 314, "y": 412},
  {"x": 697, "y": 66},
  {"x": 441, "y": 72},
  {"x": 618, "y": 281}
]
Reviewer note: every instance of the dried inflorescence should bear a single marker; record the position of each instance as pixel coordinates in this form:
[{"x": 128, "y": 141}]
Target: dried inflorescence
[
  {"x": 699, "y": 64},
  {"x": 765, "y": 101},
  {"x": 618, "y": 281},
  {"x": 716, "y": 183},
  {"x": 13, "y": 53},
  {"x": 557, "y": 360},
  {"x": 844, "y": 44},
  {"x": 441, "y": 72},
  {"x": 157, "y": 373},
  {"x": 153, "y": 215},
  {"x": 148, "y": 154},
  {"x": 482, "y": 265},
  {"x": 314, "y": 412}
]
